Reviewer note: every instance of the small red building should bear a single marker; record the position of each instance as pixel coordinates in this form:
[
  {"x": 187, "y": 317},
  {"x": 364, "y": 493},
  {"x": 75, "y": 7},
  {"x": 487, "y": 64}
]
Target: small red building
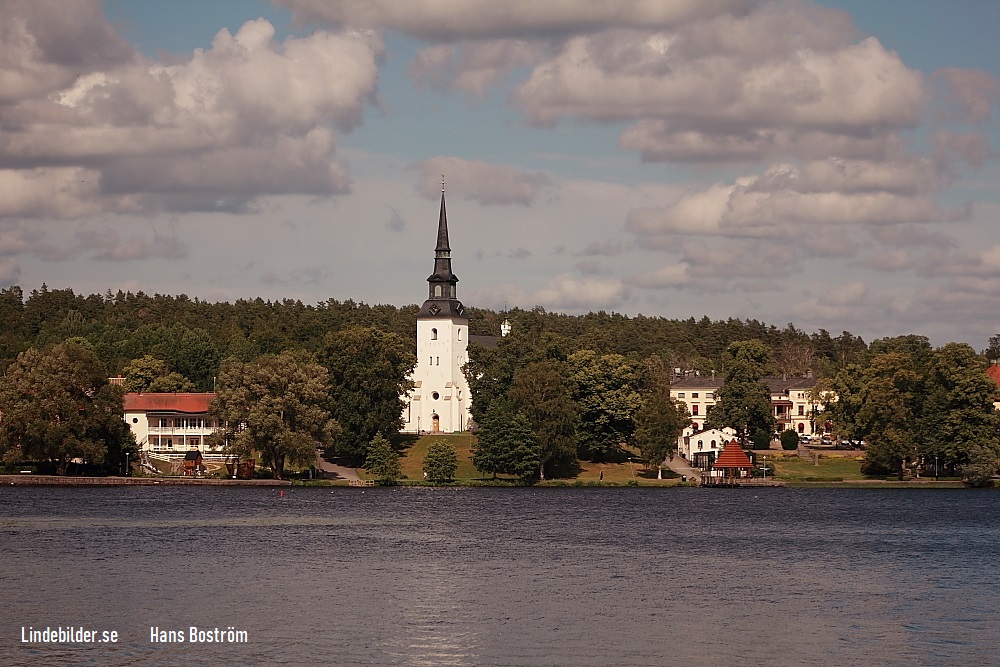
[{"x": 732, "y": 466}]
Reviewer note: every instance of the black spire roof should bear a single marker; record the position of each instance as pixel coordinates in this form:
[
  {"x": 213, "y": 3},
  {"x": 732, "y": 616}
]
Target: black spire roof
[{"x": 441, "y": 299}]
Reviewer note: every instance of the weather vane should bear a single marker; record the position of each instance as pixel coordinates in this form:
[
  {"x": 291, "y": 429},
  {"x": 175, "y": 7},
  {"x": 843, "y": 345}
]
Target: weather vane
[{"x": 442, "y": 182}]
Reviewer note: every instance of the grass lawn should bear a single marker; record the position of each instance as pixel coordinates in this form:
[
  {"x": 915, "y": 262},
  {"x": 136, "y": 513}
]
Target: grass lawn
[
  {"x": 794, "y": 469},
  {"x": 413, "y": 450}
]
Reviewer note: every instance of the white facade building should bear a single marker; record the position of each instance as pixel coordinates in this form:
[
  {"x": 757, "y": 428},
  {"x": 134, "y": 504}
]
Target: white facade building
[
  {"x": 439, "y": 401},
  {"x": 170, "y": 425},
  {"x": 793, "y": 402}
]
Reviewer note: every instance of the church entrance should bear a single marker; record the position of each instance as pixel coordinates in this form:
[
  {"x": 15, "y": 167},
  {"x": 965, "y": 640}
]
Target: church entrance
[{"x": 435, "y": 424}]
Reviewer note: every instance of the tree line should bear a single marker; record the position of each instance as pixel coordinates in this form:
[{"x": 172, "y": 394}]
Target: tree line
[{"x": 559, "y": 389}]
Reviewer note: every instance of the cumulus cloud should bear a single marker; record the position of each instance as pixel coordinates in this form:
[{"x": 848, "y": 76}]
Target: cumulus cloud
[
  {"x": 488, "y": 184},
  {"x": 483, "y": 19},
  {"x": 565, "y": 292},
  {"x": 107, "y": 130},
  {"x": 787, "y": 199},
  {"x": 473, "y": 67},
  {"x": 105, "y": 243},
  {"x": 974, "y": 92}
]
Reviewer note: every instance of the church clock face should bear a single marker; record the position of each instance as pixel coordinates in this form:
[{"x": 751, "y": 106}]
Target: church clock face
[
  {"x": 435, "y": 309},
  {"x": 461, "y": 310}
]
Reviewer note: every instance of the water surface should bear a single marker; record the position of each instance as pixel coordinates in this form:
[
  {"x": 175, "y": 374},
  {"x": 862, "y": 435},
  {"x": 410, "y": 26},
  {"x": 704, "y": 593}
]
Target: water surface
[{"x": 421, "y": 576}]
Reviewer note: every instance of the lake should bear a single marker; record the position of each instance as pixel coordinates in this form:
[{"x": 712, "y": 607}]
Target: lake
[{"x": 467, "y": 576}]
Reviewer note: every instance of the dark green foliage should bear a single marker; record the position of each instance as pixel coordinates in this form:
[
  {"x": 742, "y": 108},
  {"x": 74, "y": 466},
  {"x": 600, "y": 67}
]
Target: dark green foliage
[
  {"x": 382, "y": 462},
  {"x": 744, "y": 400},
  {"x": 957, "y": 414},
  {"x": 369, "y": 372},
  {"x": 761, "y": 440},
  {"x": 789, "y": 440},
  {"x": 659, "y": 419},
  {"x": 273, "y": 408},
  {"x": 981, "y": 467},
  {"x": 441, "y": 462},
  {"x": 542, "y": 394},
  {"x": 57, "y": 405},
  {"x": 604, "y": 389},
  {"x": 150, "y": 374},
  {"x": 505, "y": 443}
]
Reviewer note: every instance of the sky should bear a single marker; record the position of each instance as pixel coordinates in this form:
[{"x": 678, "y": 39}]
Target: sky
[{"x": 829, "y": 164}]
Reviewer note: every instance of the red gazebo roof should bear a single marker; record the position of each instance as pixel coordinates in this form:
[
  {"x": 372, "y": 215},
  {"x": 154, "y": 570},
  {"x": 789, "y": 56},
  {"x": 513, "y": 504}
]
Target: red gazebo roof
[{"x": 732, "y": 456}]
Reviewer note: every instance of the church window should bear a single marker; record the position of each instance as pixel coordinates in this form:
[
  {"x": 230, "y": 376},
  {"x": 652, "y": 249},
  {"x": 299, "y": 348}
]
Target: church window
[
  {"x": 460, "y": 334},
  {"x": 435, "y": 396},
  {"x": 437, "y": 290},
  {"x": 434, "y": 334}
]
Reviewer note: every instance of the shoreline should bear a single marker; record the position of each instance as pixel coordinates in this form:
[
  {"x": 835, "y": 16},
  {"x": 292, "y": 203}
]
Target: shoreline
[{"x": 56, "y": 480}]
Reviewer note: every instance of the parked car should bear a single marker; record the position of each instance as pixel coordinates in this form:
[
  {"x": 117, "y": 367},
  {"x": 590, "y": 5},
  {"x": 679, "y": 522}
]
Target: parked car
[
  {"x": 845, "y": 444},
  {"x": 804, "y": 438},
  {"x": 825, "y": 440}
]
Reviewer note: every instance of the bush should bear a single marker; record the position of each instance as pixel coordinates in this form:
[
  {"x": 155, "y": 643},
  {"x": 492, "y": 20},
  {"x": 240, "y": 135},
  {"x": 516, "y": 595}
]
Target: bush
[
  {"x": 789, "y": 440},
  {"x": 761, "y": 440},
  {"x": 441, "y": 462}
]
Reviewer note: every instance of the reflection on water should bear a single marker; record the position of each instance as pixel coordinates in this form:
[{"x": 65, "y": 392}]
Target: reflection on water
[{"x": 506, "y": 576}]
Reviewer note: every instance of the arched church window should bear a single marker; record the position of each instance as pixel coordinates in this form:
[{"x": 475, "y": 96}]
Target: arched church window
[
  {"x": 460, "y": 334},
  {"x": 434, "y": 334},
  {"x": 437, "y": 290}
]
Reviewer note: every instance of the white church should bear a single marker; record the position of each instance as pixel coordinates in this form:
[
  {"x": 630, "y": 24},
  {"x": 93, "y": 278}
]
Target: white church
[{"x": 439, "y": 401}]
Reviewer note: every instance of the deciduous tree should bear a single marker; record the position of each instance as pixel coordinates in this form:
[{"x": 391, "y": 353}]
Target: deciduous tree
[
  {"x": 440, "y": 462},
  {"x": 274, "y": 408},
  {"x": 149, "y": 374},
  {"x": 382, "y": 461},
  {"x": 369, "y": 374},
  {"x": 505, "y": 444},
  {"x": 57, "y": 405},
  {"x": 604, "y": 388},
  {"x": 743, "y": 402},
  {"x": 542, "y": 394}
]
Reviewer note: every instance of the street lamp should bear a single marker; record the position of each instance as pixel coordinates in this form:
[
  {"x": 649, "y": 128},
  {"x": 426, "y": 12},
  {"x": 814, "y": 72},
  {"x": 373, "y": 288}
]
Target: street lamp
[
  {"x": 935, "y": 467},
  {"x": 631, "y": 469},
  {"x": 126, "y": 464},
  {"x": 765, "y": 467}
]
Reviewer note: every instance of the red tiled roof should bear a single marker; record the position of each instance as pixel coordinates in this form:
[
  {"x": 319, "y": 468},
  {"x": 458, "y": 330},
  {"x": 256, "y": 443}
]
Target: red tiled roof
[
  {"x": 732, "y": 456},
  {"x": 994, "y": 372},
  {"x": 191, "y": 403}
]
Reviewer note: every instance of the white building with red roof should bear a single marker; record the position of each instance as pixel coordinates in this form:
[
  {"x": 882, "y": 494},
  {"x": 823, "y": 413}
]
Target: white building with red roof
[{"x": 170, "y": 425}]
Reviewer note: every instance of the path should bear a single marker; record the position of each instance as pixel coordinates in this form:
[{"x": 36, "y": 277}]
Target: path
[
  {"x": 333, "y": 471},
  {"x": 681, "y": 467}
]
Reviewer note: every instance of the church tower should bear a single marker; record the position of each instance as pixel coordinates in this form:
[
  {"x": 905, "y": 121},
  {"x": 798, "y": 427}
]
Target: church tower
[{"x": 439, "y": 401}]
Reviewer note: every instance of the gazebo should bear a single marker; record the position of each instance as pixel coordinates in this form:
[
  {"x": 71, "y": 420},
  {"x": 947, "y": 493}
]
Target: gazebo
[{"x": 731, "y": 464}]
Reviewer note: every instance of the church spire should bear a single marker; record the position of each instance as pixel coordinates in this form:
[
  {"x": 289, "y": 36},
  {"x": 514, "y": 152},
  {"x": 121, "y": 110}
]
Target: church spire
[
  {"x": 441, "y": 285},
  {"x": 442, "y": 242}
]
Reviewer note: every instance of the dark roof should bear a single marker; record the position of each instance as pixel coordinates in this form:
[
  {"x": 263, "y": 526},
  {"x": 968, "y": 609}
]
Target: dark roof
[
  {"x": 442, "y": 240},
  {"x": 490, "y": 342},
  {"x": 782, "y": 385},
  {"x": 777, "y": 385},
  {"x": 444, "y": 308},
  {"x": 707, "y": 382},
  {"x": 192, "y": 455}
]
